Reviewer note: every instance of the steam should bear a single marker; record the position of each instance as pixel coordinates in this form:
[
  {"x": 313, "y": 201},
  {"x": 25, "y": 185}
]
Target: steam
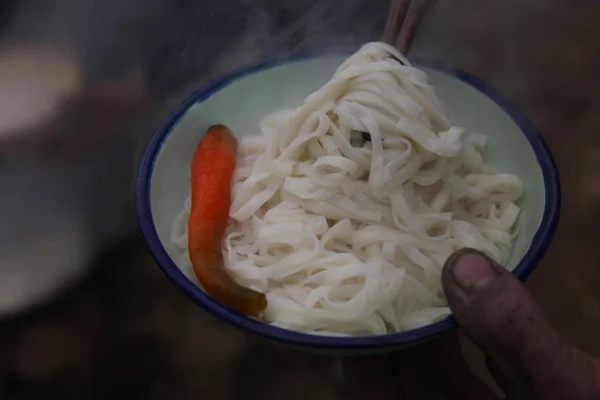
[
  {"x": 173, "y": 46},
  {"x": 214, "y": 37},
  {"x": 178, "y": 41}
]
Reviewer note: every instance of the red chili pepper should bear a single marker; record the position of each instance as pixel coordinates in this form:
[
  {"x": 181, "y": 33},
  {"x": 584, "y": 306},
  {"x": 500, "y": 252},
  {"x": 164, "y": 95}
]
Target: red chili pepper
[{"x": 212, "y": 169}]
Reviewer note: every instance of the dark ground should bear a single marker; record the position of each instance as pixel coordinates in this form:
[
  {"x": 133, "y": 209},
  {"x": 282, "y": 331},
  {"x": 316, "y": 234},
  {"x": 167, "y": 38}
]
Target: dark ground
[{"x": 127, "y": 332}]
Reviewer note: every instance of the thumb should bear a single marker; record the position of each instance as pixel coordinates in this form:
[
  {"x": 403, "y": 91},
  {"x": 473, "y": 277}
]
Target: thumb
[{"x": 498, "y": 313}]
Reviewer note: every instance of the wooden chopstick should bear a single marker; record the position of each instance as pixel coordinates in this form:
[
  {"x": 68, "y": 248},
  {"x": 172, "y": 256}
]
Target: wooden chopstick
[
  {"x": 402, "y": 22},
  {"x": 394, "y": 20}
]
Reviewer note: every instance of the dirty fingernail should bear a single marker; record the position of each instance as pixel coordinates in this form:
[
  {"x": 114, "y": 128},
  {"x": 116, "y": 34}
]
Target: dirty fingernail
[{"x": 473, "y": 270}]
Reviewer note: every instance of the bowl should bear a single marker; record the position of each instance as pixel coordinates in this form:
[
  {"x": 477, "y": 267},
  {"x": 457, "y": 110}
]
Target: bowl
[{"x": 241, "y": 99}]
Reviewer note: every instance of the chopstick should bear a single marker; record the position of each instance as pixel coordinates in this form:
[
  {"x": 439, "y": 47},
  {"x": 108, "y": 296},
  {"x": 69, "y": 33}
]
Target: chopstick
[
  {"x": 394, "y": 20},
  {"x": 402, "y": 21}
]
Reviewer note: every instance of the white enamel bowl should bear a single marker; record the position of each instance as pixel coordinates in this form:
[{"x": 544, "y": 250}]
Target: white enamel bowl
[{"x": 241, "y": 99}]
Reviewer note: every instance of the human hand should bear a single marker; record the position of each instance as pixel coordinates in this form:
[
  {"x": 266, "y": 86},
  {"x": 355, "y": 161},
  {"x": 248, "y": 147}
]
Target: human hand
[{"x": 524, "y": 352}]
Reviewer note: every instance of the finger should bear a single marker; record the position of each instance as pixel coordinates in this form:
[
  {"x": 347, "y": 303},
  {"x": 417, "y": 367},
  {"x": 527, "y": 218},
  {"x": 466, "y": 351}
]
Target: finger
[{"x": 498, "y": 313}]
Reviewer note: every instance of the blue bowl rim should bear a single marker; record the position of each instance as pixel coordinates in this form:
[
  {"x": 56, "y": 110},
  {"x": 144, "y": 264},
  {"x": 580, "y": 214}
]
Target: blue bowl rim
[{"x": 539, "y": 245}]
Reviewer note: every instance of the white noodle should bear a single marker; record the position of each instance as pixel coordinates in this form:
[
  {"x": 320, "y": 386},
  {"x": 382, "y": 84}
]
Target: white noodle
[{"x": 347, "y": 236}]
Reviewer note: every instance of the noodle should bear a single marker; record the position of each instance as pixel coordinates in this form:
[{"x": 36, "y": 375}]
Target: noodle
[{"x": 346, "y": 208}]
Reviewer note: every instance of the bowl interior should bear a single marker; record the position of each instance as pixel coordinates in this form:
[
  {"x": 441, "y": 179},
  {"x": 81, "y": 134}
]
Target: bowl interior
[
  {"x": 241, "y": 105},
  {"x": 241, "y": 100}
]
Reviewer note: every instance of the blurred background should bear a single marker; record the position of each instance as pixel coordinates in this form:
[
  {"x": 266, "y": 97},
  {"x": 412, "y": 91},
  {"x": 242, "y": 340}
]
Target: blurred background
[{"x": 84, "y": 311}]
